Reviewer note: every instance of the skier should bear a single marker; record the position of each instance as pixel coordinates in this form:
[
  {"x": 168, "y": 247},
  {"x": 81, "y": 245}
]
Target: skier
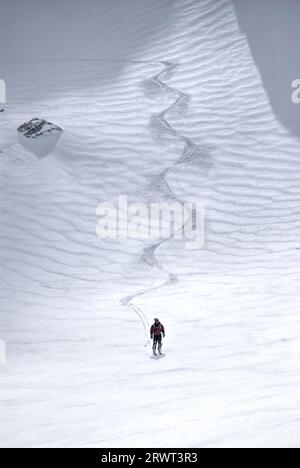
[{"x": 157, "y": 332}]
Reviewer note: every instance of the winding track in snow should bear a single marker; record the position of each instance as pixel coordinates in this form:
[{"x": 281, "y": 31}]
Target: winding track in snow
[{"x": 190, "y": 152}]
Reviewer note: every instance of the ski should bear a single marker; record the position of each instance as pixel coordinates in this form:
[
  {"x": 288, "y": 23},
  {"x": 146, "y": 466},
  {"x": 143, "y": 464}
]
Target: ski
[{"x": 158, "y": 356}]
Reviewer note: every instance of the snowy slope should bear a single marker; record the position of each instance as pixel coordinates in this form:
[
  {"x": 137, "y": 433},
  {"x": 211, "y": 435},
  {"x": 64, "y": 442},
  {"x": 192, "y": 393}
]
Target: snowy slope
[{"x": 78, "y": 372}]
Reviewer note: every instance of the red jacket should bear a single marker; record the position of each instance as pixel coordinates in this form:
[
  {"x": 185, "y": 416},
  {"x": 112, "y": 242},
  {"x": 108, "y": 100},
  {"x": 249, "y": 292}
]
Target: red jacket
[{"x": 156, "y": 331}]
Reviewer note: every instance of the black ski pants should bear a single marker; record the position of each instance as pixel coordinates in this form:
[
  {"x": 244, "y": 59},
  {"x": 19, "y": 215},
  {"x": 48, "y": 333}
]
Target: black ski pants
[{"x": 157, "y": 342}]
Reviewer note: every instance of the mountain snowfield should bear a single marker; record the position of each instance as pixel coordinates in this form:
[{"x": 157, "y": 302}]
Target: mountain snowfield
[{"x": 73, "y": 307}]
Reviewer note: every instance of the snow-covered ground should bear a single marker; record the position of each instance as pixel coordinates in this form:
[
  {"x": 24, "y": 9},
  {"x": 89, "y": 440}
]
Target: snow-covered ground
[{"x": 78, "y": 372}]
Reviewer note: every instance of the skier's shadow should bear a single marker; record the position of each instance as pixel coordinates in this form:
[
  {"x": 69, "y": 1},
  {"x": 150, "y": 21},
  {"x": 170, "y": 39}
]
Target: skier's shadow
[{"x": 272, "y": 30}]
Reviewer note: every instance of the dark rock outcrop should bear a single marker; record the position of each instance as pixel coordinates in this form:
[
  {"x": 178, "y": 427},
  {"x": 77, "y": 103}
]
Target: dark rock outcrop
[
  {"x": 39, "y": 136},
  {"x": 39, "y": 128}
]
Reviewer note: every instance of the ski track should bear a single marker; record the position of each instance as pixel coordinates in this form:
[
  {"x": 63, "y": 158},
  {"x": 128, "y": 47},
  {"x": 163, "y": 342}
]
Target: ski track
[
  {"x": 149, "y": 255},
  {"x": 190, "y": 151}
]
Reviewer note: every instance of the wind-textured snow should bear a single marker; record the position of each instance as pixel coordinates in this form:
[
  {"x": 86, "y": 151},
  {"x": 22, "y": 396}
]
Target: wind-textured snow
[{"x": 175, "y": 109}]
